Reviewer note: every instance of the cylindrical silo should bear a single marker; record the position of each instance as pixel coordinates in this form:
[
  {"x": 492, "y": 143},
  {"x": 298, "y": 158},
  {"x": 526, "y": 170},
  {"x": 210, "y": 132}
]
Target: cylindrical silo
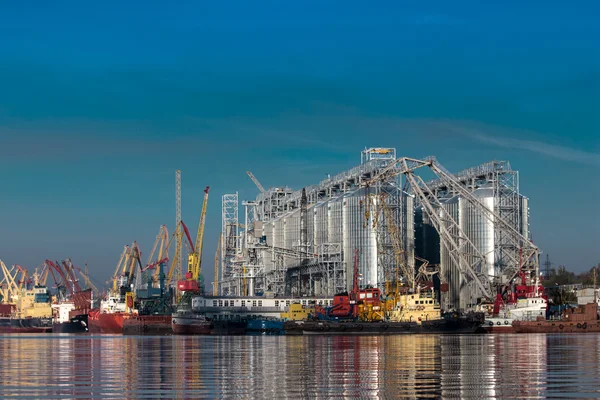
[{"x": 359, "y": 234}]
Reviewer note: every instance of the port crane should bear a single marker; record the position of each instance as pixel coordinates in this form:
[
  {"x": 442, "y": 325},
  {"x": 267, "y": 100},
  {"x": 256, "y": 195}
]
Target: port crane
[
  {"x": 11, "y": 291},
  {"x": 256, "y": 182},
  {"x": 521, "y": 254},
  {"x": 62, "y": 282},
  {"x": 70, "y": 269},
  {"x": 123, "y": 260},
  {"x": 25, "y": 279},
  {"x": 190, "y": 284},
  {"x": 88, "y": 281},
  {"x": 162, "y": 242}
]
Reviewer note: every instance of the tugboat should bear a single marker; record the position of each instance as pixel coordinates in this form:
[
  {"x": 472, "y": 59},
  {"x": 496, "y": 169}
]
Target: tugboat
[
  {"x": 574, "y": 320},
  {"x": 520, "y": 302},
  {"x": 579, "y": 319},
  {"x": 362, "y": 312}
]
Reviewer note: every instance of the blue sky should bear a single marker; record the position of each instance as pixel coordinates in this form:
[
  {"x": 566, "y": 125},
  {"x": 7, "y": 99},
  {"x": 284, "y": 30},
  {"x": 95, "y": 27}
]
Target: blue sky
[{"x": 99, "y": 104}]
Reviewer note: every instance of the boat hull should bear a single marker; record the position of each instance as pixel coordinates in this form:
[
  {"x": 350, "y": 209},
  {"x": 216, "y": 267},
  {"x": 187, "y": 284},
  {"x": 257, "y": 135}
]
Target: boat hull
[
  {"x": 148, "y": 325},
  {"x": 106, "y": 323},
  {"x": 228, "y": 328},
  {"x": 77, "y": 324},
  {"x": 388, "y": 328},
  {"x": 190, "y": 325},
  {"x": 25, "y": 325},
  {"x": 556, "y": 327}
]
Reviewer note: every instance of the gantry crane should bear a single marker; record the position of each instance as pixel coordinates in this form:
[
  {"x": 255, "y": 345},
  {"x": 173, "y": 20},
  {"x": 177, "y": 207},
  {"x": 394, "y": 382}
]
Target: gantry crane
[{"x": 190, "y": 284}]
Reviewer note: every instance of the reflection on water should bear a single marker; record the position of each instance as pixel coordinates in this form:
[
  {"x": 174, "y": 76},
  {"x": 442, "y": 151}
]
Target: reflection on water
[{"x": 411, "y": 366}]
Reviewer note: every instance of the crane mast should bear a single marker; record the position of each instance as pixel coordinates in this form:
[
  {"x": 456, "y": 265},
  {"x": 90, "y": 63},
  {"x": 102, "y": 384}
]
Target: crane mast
[
  {"x": 190, "y": 284},
  {"x": 176, "y": 266}
]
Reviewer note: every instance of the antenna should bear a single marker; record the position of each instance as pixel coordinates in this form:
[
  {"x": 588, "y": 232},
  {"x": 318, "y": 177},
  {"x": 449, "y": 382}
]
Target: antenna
[
  {"x": 547, "y": 266},
  {"x": 595, "y": 301}
]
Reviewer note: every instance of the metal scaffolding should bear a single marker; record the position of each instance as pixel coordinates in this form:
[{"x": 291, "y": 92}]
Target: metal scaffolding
[{"x": 231, "y": 241}]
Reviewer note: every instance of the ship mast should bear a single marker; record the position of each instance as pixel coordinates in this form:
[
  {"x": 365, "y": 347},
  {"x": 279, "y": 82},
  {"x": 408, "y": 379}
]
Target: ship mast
[{"x": 595, "y": 299}]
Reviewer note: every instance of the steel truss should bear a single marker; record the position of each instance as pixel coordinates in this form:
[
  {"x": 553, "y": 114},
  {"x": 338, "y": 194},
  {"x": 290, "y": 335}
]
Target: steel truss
[{"x": 519, "y": 254}]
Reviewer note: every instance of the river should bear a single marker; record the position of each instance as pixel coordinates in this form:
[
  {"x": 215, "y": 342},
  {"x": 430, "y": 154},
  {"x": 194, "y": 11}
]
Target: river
[{"x": 410, "y": 366}]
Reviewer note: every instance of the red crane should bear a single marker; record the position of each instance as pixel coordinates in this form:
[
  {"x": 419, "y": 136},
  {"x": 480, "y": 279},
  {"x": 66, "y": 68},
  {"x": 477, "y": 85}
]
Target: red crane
[{"x": 71, "y": 273}]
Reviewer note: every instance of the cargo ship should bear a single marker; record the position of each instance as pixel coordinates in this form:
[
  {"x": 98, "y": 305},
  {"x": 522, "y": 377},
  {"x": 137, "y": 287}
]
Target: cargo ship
[
  {"x": 71, "y": 316},
  {"x": 28, "y": 311},
  {"x": 113, "y": 311},
  {"x": 154, "y": 304}
]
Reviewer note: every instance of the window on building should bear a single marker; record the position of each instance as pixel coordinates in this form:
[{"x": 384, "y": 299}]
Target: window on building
[
  {"x": 243, "y": 303},
  {"x": 253, "y": 303},
  {"x": 276, "y": 303},
  {"x": 260, "y": 303},
  {"x": 214, "y": 303},
  {"x": 220, "y": 303}
]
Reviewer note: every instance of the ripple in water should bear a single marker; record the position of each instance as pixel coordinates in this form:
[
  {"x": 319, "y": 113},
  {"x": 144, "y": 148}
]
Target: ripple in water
[{"x": 410, "y": 366}]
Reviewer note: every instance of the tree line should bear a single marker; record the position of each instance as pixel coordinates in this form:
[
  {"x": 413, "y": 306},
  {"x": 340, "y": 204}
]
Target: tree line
[{"x": 562, "y": 276}]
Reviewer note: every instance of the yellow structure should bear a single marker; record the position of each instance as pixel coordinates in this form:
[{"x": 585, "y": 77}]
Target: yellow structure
[
  {"x": 415, "y": 307},
  {"x": 28, "y": 307},
  {"x": 298, "y": 312},
  {"x": 34, "y": 303}
]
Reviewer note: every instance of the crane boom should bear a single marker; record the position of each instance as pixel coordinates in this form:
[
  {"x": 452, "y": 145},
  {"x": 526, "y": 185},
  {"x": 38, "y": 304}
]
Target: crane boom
[
  {"x": 256, "y": 182},
  {"x": 200, "y": 235},
  {"x": 12, "y": 287}
]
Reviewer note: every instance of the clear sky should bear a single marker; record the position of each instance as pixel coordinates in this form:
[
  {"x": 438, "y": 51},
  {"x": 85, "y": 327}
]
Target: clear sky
[{"x": 101, "y": 102}]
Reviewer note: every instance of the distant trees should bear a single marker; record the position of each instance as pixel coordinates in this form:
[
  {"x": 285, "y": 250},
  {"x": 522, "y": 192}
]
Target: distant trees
[
  {"x": 554, "y": 283},
  {"x": 562, "y": 276}
]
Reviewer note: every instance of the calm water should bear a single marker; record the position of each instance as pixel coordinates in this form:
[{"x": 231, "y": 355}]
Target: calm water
[{"x": 467, "y": 366}]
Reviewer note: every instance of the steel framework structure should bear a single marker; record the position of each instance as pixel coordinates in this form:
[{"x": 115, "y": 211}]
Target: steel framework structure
[
  {"x": 231, "y": 241},
  {"x": 518, "y": 253}
]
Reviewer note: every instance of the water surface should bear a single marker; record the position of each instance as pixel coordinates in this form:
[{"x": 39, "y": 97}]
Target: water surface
[{"x": 409, "y": 366}]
